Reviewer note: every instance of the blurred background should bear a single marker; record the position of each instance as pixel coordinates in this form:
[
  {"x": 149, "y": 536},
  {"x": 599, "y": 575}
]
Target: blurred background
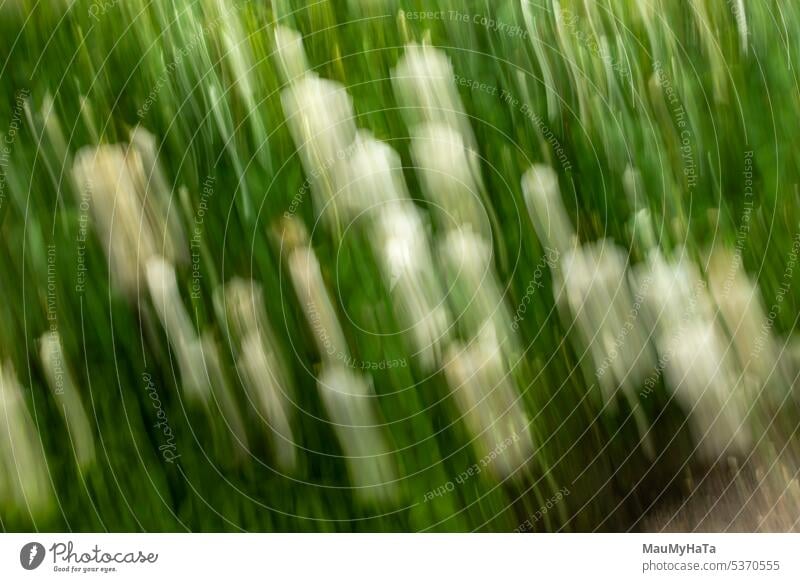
[{"x": 399, "y": 266}]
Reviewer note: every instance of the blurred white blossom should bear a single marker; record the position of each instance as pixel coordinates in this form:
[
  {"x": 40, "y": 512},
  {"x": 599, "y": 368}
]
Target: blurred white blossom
[
  {"x": 260, "y": 362},
  {"x": 411, "y": 275},
  {"x": 290, "y": 54},
  {"x": 375, "y": 176},
  {"x": 450, "y": 177},
  {"x": 316, "y": 304},
  {"x": 68, "y": 398},
  {"x": 424, "y": 82},
  {"x": 606, "y": 316},
  {"x": 130, "y": 203},
  {"x": 546, "y": 209},
  {"x": 321, "y": 119},
  {"x": 24, "y": 475},
  {"x": 350, "y": 402},
  {"x": 490, "y": 406},
  {"x": 474, "y": 289}
]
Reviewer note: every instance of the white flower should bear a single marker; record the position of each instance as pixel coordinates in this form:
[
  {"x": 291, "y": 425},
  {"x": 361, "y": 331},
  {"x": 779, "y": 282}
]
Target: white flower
[
  {"x": 699, "y": 373},
  {"x": 470, "y": 254},
  {"x": 259, "y": 360},
  {"x": 240, "y": 304},
  {"x": 66, "y": 394},
  {"x": 316, "y": 304},
  {"x": 475, "y": 293},
  {"x": 450, "y": 177},
  {"x": 671, "y": 293},
  {"x": 198, "y": 359},
  {"x": 290, "y": 53},
  {"x": 698, "y": 366},
  {"x": 320, "y": 116},
  {"x": 167, "y": 302},
  {"x": 742, "y": 311},
  {"x": 608, "y": 320},
  {"x": 24, "y": 476},
  {"x": 488, "y": 402},
  {"x": 205, "y": 358},
  {"x": 375, "y": 175},
  {"x": 130, "y": 202},
  {"x": 262, "y": 374},
  {"x": 349, "y": 401},
  {"x": 543, "y": 199},
  {"x": 407, "y": 266},
  {"x": 156, "y": 195},
  {"x": 424, "y": 82}
]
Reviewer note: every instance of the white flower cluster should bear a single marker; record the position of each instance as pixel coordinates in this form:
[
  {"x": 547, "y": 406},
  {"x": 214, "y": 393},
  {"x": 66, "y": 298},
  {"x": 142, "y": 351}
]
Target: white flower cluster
[
  {"x": 130, "y": 200},
  {"x": 24, "y": 475},
  {"x": 259, "y": 361},
  {"x": 715, "y": 348},
  {"x": 444, "y": 153},
  {"x": 198, "y": 357},
  {"x": 64, "y": 390},
  {"x": 346, "y": 394},
  {"x": 355, "y": 175}
]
